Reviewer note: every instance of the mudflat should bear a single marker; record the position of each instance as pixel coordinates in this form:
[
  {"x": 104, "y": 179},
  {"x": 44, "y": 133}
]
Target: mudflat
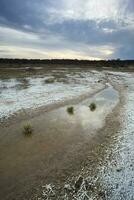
[{"x": 63, "y": 146}]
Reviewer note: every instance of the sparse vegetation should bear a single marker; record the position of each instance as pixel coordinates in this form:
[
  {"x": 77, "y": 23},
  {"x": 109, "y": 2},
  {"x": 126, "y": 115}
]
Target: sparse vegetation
[
  {"x": 92, "y": 106},
  {"x": 49, "y": 80},
  {"x": 70, "y": 110},
  {"x": 99, "y": 81},
  {"x": 27, "y": 129},
  {"x": 119, "y": 169}
]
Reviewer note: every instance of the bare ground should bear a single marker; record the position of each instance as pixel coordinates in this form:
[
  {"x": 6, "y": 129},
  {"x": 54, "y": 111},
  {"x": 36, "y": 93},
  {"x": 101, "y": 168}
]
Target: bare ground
[{"x": 58, "y": 151}]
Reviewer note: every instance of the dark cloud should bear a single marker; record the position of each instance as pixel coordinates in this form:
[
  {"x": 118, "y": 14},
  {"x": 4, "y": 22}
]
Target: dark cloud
[{"x": 63, "y": 32}]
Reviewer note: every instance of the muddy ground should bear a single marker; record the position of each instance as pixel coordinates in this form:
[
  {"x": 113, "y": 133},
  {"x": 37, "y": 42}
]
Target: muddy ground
[{"x": 86, "y": 155}]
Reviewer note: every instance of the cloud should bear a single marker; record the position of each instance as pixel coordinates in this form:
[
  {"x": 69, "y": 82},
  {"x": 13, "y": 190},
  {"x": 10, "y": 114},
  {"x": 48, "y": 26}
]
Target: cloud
[
  {"x": 22, "y": 52},
  {"x": 92, "y": 29},
  {"x": 97, "y": 10},
  {"x": 86, "y": 10},
  {"x": 16, "y": 43}
]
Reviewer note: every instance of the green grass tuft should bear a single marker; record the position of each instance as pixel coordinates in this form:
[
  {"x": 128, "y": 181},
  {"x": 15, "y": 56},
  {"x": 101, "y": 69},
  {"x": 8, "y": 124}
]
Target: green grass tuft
[
  {"x": 92, "y": 106},
  {"x": 49, "y": 80},
  {"x": 70, "y": 110},
  {"x": 27, "y": 129}
]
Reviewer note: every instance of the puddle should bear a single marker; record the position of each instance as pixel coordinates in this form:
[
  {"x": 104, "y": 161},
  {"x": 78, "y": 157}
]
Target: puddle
[
  {"x": 105, "y": 101},
  {"x": 58, "y": 136},
  {"x": 89, "y": 121},
  {"x": 106, "y": 97},
  {"x": 33, "y": 92}
]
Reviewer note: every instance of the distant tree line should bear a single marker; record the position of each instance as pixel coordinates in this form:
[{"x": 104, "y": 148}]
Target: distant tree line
[{"x": 107, "y": 63}]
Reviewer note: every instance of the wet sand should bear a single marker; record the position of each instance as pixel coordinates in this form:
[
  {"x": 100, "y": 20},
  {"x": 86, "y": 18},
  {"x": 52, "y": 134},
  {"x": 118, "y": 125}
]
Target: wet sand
[
  {"x": 107, "y": 172},
  {"x": 60, "y": 147},
  {"x": 57, "y": 147}
]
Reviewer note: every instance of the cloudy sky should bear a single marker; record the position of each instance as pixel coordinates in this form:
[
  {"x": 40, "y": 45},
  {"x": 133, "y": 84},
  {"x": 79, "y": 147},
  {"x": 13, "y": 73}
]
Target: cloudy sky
[{"x": 82, "y": 29}]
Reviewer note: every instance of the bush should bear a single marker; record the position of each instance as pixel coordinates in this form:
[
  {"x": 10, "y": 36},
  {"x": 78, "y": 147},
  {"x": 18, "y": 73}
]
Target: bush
[
  {"x": 92, "y": 106},
  {"x": 49, "y": 80},
  {"x": 70, "y": 110},
  {"x": 27, "y": 129}
]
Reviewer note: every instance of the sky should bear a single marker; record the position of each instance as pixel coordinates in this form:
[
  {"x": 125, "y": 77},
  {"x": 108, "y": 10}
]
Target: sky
[{"x": 69, "y": 29}]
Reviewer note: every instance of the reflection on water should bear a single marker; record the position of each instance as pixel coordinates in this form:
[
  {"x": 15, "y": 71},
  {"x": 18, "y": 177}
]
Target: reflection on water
[
  {"x": 105, "y": 101},
  {"x": 107, "y": 96},
  {"x": 35, "y": 91},
  {"x": 87, "y": 120}
]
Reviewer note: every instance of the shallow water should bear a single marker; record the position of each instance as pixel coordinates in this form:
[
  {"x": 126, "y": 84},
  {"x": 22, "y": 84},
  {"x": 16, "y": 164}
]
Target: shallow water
[
  {"x": 64, "y": 133},
  {"x": 33, "y": 92},
  {"x": 89, "y": 121},
  {"x": 113, "y": 177}
]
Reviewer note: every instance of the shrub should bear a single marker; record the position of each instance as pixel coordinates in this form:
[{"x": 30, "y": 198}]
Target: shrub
[
  {"x": 92, "y": 106},
  {"x": 70, "y": 110},
  {"x": 49, "y": 80},
  {"x": 27, "y": 129}
]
